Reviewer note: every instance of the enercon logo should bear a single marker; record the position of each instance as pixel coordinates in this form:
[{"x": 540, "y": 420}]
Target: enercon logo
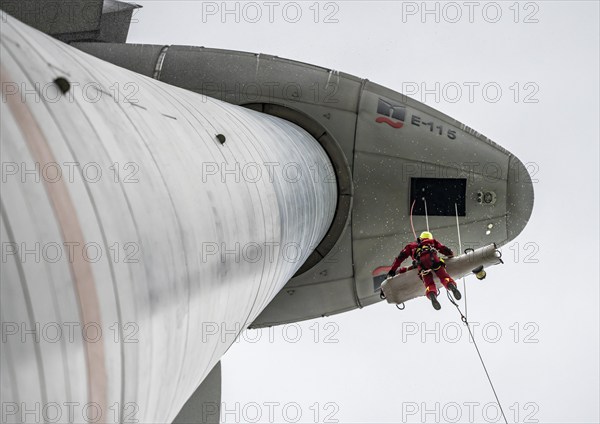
[{"x": 394, "y": 115}]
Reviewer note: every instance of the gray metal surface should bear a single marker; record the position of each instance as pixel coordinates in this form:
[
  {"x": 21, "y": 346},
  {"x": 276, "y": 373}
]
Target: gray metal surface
[
  {"x": 156, "y": 245},
  {"x": 115, "y": 21},
  {"x": 408, "y": 285},
  {"x": 382, "y": 159},
  {"x": 204, "y": 406},
  {"x": 70, "y": 20},
  {"x": 55, "y": 17}
]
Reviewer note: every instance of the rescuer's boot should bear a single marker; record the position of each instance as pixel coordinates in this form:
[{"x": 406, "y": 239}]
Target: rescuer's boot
[
  {"x": 434, "y": 302},
  {"x": 452, "y": 287}
]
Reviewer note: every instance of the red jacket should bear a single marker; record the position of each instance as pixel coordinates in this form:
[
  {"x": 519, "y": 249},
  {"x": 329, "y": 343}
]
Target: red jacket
[{"x": 428, "y": 247}]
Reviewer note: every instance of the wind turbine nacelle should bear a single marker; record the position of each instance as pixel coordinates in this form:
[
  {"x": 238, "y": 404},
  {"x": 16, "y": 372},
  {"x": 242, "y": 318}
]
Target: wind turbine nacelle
[{"x": 386, "y": 150}]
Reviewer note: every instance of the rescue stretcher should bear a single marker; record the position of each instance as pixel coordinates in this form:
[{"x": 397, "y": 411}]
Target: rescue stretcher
[{"x": 407, "y": 285}]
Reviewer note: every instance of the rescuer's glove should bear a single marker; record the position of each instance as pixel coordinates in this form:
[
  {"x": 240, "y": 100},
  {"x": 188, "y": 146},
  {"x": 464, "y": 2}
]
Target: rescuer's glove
[{"x": 391, "y": 273}]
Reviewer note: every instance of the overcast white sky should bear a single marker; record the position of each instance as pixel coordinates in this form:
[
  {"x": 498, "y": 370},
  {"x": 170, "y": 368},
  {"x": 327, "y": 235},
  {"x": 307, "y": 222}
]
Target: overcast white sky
[{"x": 544, "y": 300}]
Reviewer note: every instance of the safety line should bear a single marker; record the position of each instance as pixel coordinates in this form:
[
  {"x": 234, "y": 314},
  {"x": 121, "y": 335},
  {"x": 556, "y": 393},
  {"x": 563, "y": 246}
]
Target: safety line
[
  {"x": 411, "y": 218},
  {"x": 461, "y": 251},
  {"x": 464, "y": 319},
  {"x": 426, "y": 215}
]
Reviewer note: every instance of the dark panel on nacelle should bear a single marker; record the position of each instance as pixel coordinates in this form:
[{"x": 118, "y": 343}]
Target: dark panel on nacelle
[
  {"x": 384, "y": 137},
  {"x": 437, "y": 196}
]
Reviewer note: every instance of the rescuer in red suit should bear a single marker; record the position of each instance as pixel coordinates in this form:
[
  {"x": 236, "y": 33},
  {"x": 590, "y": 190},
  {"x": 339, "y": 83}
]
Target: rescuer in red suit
[{"x": 424, "y": 251}]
